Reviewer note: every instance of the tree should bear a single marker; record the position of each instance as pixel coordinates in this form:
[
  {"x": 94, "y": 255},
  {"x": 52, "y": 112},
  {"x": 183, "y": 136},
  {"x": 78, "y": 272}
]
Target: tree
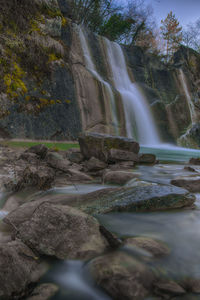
[
  {"x": 191, "y": 35},
  {"x": 172, "y": 34}
]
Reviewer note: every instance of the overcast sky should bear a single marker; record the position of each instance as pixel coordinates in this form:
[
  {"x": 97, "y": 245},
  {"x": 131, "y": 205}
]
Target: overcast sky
[{"x": 186, "y": 11}]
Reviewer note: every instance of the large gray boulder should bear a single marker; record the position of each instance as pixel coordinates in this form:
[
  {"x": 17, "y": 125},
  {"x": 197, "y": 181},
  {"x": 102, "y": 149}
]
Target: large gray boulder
[
  {"x": 145, "y": 198},
  {"x": 98, "y": 145},
  {"x": 19, "y": 266},
  {"x": 56, "y": 230}
]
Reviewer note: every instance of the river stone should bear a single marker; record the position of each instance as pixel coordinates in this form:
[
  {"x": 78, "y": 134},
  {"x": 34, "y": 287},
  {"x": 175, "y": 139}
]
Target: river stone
[
  {"x": 194, "y": 161},
  {"x": 56, "y": 230},
  {"x": 94, "y": 164},
  {"x": 116, "y": 155},
  {"x": 118, "y": 177},
  {"x": 43, "y": 292},
  {"x": 147, "y": 158},
  {"x": 145, "y": 198},
  {"x": 98, "y": 145},
  {"x": 168, "y": 288},
  {"x": 121, "y": 276},
  {"x": 192, "y": 184},
  {"x": 19, "y": 267},
  {"x": 156, "y": 248}
]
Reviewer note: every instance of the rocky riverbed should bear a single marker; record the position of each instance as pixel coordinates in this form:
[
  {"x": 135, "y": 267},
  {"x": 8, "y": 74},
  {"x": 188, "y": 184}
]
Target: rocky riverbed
[{"x": 107, "y": 205}]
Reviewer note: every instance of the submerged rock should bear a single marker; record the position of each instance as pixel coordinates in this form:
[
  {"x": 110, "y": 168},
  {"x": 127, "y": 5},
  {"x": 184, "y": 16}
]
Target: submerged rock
[
  {"x": 170, "y": 288},
  {"x": 145, "y": 198},
  {"x": 156, "y": 248},
  {"x": 99, "y": 145},
  {"x": 56, "y": 230},
  {"x": 121, "y": 276}
]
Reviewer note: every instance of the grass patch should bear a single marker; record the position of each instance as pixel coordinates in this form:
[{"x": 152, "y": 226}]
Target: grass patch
[{"x": 51, "y": 145}]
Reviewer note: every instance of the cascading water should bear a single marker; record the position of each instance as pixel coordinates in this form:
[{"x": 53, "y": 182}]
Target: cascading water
[
  {"x": 91, "y": 67},
  {"x": 188, "y": 97},
  {"x": 135, "y": 106}
]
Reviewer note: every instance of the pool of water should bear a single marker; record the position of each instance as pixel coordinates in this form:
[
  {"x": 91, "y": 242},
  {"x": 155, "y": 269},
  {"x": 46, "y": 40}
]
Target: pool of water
[{"x": 171, "y": 153}]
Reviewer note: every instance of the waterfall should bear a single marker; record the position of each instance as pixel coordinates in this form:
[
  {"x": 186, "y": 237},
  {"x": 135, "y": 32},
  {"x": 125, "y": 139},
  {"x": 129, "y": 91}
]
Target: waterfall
[
  {"x": 135, "y": 106},
  {"x": 187, "y": 94},
  {"x": 91, "y": 67}
]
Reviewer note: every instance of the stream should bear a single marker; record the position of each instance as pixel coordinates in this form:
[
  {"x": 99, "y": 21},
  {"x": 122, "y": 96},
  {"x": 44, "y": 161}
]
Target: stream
[{"x": 179, "y": 229}]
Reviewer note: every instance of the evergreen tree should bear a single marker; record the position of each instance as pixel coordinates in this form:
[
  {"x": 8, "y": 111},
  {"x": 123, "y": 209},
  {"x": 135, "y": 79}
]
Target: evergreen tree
[{"x": 172, "y": 33}]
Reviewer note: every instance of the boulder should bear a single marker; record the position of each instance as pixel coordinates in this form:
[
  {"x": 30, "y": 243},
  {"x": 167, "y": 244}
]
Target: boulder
[
  {"x": 98, "y": 145},
  {"x": 56, "y": 161},
  {"x": 189, "y": 169},
  {"x": 94, "y": 164},
  {"x": 56, "y": 230},
  {"x": 77, "y": 176},
  {"x": 19, "y": 266},
  {"x": 41, "y": 150},
  {"x": 116, "y": 155},
  {"x": 121, "y": 276},
  {"x": 75, "y": 156},
  {"x": 156, "y": 248},
  {"x": 144, "y": 198},
  {"x": 118, "y": 177},
  {"x": 40, "y": 177},
  {"x": 44, "y": 291},
  {"x": 192, "y": 184},
  {"x": 147, "y": 158}
]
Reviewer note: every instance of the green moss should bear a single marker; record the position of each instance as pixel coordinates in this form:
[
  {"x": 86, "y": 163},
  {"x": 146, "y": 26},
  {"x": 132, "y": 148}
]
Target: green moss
[{"x": 14, "y": 83}]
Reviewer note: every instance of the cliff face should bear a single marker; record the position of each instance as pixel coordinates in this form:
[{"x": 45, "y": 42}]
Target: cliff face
[{"x": 48, "y": 92}]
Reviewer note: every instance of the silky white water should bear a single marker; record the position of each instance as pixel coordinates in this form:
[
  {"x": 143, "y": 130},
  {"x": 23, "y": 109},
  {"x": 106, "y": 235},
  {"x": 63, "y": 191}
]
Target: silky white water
[
  {"x": 137, "y": 112},
  {"x": 91, "y": 67},
  {"x": 188, "y": 97}
]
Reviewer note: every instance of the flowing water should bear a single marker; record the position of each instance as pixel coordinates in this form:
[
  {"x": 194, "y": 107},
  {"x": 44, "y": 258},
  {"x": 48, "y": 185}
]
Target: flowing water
[
  {"x": 188, "y": 97},
  {"x": 135, "y": 106},
  {"x": 92, "y": 68}
]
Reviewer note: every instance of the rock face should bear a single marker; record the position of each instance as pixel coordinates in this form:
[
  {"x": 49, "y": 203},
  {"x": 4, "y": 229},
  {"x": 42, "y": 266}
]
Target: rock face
[
  {"x": 59, "y": 231},
  {"x": 145, "y": 198},
  {"x": 99, "y": 146}
]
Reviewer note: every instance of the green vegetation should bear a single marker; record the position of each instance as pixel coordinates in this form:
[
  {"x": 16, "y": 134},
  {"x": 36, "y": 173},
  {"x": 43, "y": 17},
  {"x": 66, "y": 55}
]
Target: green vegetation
[
  {"x": 51, "y": 145},
  {"x": 27, "y": 50}
]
